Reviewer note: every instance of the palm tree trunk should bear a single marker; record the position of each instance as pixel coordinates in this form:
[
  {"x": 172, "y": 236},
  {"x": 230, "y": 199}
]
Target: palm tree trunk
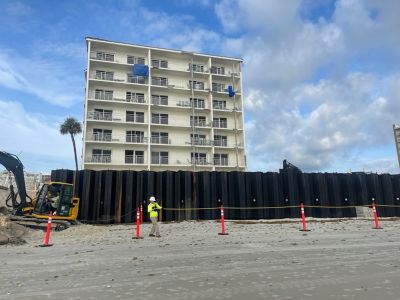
[{"x": 76, "y": 164}]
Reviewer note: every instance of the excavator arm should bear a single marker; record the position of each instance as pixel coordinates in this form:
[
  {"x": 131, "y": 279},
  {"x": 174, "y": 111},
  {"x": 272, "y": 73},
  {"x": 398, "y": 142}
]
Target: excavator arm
[{"x": 12, "y": 163}]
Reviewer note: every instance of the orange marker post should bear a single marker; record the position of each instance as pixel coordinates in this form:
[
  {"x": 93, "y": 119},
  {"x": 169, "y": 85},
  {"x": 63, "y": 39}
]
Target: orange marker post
[
  {"x": 222, "y": 222},
  {"x": 303, "y": 218},
  {"x": 375, "y": 216},
  {"x": 48, "y": 229},
  {"x": 137, "y": 237}
]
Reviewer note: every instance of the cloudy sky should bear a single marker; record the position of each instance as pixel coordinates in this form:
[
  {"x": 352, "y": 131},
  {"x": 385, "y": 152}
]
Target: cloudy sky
[{"x": 321, "y": 77}]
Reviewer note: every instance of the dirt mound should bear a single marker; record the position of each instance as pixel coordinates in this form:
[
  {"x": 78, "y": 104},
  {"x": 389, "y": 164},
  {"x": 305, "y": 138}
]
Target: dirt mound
[{"x": 11, "y": 233}]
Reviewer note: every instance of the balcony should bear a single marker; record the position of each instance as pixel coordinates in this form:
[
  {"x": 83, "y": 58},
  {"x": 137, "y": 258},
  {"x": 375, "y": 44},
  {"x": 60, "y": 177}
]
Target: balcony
[
  {"x": 110, "y": 97},
  {"x": 220, "y": 124},
  {"x": 133, "y": 138},
  {"x": 196, "y": 86},
  {"x": 221, "y": 161},
  {"x": 220, "y": 106},
  {"x": 103, "y": 56},
  {"x": 101, "y": 137},
  {"x": 201, "y": 142},
  {"x": 217, "y": 70},
  {"x": 221, "y": 143},
  {"x": 159, "y": 81},
  {"x": 189, "y": 104},
  {"x": 160, "y": 140},
  {"x": 100, "y": 159},
  {"x": 199, "y": 161},
  {"x": 161, "y": 160},
  {"x": 135, "y": 118},
  {"x": 103, "y": 116},
  {"x": 199, "y": 123},
  {"x": 159, "y": 120},
  {"x": 218, "y": 88},
  {"x": 136, "y": 79},
  {"x": 134, "y": 159},
  {"x": 159, "y": 101}
]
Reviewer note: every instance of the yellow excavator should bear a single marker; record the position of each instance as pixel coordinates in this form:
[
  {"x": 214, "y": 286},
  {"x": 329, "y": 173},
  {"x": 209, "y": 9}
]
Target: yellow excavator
[{"x": 53, "y": 197}]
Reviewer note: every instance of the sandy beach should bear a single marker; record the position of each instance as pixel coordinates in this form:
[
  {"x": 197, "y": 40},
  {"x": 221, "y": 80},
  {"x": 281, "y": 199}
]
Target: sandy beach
[{"x": 344, "y": 259}]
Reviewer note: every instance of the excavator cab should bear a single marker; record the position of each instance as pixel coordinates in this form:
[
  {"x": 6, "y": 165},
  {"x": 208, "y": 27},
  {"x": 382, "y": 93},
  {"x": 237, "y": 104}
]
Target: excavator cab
[{"x": 60, "y": 197}]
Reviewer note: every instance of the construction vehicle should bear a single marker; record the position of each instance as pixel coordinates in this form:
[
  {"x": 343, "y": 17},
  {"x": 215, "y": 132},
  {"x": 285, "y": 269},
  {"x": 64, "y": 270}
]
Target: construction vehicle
[{"x": 34, "y": 212}]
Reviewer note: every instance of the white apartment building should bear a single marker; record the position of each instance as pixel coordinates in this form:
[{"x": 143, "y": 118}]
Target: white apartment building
[
  {"x": 178, "y": 117},
  {"x": 396, "y": 131}
]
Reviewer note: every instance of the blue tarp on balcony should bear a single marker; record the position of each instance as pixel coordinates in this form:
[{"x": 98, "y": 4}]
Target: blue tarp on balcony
[
  {"x": 140, "y": 70},
  {"x": 231, "y": 92}
]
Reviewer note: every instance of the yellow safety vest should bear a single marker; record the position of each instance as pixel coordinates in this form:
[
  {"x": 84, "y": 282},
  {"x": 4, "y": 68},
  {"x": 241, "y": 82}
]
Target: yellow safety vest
[{"x": 153, "y": 213}]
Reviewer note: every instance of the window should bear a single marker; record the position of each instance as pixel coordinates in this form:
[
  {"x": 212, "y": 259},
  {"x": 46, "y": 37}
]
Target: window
[
  {"x": 198, "y": 121},
  {"x": 104, "y": 56},
  {"x": 219, "y": 104},
  {"x": 101, "y": 156},
  {"x": 103, "y": 95},
  {"x": 220, "y": 140},
  {"x": 198, "y": 139},
  {"x": 136, "y": 79},
  {"x": 196, "y": 68},
  {"x": 198, "y": 103},
  {"x": 157, "y": 63},
  {"x": 135, "y": 97},
  {"x": 134, "y": 136},
  {"x": 197, "y": 85},
  {"x": 160, "y": 81},
  {"x": 220, "y": 159},
  {"x": 104, "y": 75},
  {"x": 159, "y": 100},
  {"x": 135, "y": 60},
  {"x": 102, "y": 114},
  {"x": 220, "y": 122},
  {"x": 134, "y": 116},
  {"x": 101, "y": 134},
  {"x": 159, "y": 158},
  {"x": 160, "y": 138},
  {"x": 198, "y": 158},
  {"x": 159, "y": 118},
  {"x": 218, "y": 87},
  {"x": 134, "y": 157},
  {"x": 218, "y": 70}
]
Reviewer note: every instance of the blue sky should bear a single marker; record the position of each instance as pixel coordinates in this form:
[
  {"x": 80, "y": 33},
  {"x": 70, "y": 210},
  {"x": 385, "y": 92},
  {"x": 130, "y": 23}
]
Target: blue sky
[{"x": 321, "y": 78}]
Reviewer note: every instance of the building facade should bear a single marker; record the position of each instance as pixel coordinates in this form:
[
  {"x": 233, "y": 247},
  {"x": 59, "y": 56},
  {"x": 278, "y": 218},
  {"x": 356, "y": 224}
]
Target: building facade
[
  {"x": 184, "y": 112},
  {"x": 396, "y": 131}
]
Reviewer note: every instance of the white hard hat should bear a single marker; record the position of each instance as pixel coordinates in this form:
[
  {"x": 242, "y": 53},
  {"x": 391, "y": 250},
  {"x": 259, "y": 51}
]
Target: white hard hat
[{"x": 152, "y": 199}]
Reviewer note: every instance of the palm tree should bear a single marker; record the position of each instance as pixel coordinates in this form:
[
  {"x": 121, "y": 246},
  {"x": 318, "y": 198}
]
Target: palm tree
[{"x": 71, "y": 126}]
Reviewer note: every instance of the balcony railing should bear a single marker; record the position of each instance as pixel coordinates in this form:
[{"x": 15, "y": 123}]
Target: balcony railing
[
  {"x": 161, "y": 160},
  {"x": 196, "y": 86},
  {"x": 134, "y": 159},
  {"x": 220, "y": 124},
  {"x": 221, "y": 161},
  {"x": 104, "y": 137},
  {"x": 201, "y": 142},
  {"x": 110, "y": 97},
  {"x": 220, "y": 106},
  {"x": 159, "y": 81},
  {"x": 135, "y": 119},
  {"x": 136, "y": 99},
  {"x": 96, "y": 115},
  {"x": 159, "y": 120},
  {"x": 199, "y": 161},
  {"x": 102, "y": 96},
  {"x": 218, "y": 71},
  {"x": 218, "y": 88},
  {"x": 136, "y": 79},
  {"x": 160, "y": 140},
  {"x": 183, "y": 103},
  {"x": 102, "y": 56},
  {"x": 104, "y": 159},
  {"x": 159, "y": 101},
  {"x": 221, "y": 143},
  {"x": 199, "y": 123},
  {"x": 133, "y": 138}
]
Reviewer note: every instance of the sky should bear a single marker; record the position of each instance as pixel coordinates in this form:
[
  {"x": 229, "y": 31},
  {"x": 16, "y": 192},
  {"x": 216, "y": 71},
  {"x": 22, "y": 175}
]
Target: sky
[{"x": 321, "y": 78}]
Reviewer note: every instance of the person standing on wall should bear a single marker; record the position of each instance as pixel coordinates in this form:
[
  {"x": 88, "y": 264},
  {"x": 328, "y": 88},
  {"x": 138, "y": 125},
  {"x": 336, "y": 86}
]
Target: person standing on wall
[{"x": 153, "y": 209}]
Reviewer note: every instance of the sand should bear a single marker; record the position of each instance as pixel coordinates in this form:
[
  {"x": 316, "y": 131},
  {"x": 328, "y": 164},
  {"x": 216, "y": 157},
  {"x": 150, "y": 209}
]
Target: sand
[{"x": 345, "y": 259}]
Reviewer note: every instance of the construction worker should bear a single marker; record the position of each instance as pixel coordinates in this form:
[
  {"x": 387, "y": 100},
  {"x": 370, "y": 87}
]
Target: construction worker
[{"x": 153, "y": 209}]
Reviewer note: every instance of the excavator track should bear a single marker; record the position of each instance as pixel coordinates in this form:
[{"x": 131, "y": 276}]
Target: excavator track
[{"x": 56, "y": 225}]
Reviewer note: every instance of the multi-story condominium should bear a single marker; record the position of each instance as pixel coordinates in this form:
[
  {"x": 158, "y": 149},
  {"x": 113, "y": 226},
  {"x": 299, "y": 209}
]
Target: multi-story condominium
[
  {"x": 396, "y": 131},
  {"x": 149, "y": 108}
]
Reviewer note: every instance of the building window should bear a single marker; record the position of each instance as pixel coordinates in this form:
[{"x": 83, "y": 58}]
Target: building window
[
  {"x": 220, "y": 123},
  {"x": 105, "y": 56},
  {"x": 135, "y": 60},
  {"x": 134, "y": 157},
  {"x": 104, "y": 75},
  {"x": 198, "y": 121},
  {"x": 160, "y": 138},
  {"x": 159, "y": 158},
  {"x": 219, "y": 104},
  {"x": 135, "y": 97},
  {"x": 218, "y": 87},
  {"x": 160, "y": 81},
  {"x": 101, "y": 156},
  {"x": 134, "y": 136},
  {"x": 197, "y": 103},
  {"x": 198, "y": 139},
  {"x": 218, "y": 70},
  {"x": 220, "y": 159},
  {"x": 220, "y": 140},
  {"x": 197, "y": 85},
  {"x": 102, "y": 114},
  {"x": 196, "y": 68},
  {"x": 136, "y": 79},
  {"x": 157, "y": 63},
  {"x": 134, "y": 116},
  {"x": 103, "y": 95},
  {"x": 159, "y": 100},
  {"x": 198, "y": 158},
  {"x": 101, "y": 135},
  {"x": 159, "y": 118}
]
